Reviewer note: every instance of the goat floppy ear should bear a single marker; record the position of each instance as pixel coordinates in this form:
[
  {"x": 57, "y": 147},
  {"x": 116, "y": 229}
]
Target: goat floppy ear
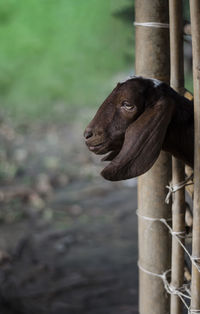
[{"x": 142, "y": 144}]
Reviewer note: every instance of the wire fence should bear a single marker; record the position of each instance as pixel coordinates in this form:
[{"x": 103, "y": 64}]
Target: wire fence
[{"x": 183, "y": 292}]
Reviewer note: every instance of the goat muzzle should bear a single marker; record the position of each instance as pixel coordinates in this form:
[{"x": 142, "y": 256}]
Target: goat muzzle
[{"x": 88, "y": 133}]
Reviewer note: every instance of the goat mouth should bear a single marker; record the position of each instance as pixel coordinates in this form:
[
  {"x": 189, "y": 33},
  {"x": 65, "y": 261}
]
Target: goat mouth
[
  {"x": 99, "y": 149},
  {"x": 110, "y": 148},
  {"x": 113, "y": 151}
]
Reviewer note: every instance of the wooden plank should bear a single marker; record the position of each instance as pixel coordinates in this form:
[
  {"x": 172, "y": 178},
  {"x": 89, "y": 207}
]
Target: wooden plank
[
  {"x": 152, "y": 60},
  {"x": 195, "y": 30},
  {"x": 178, "y": 169}
]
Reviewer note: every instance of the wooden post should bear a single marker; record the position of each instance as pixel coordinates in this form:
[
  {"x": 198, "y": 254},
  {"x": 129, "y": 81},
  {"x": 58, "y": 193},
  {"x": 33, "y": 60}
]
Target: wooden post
[
  {"x": 152, "y": 60},
  {"x": 178, "y": 171},
  {"x": 195, "y": 27}
]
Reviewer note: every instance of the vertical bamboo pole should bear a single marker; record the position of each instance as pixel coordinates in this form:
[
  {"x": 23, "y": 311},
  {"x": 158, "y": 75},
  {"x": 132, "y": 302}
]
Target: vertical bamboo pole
[
  {"x": 195, "y": 27},
  {"x": 152, "y": 60},
  {"x": 178, "y": 205}
]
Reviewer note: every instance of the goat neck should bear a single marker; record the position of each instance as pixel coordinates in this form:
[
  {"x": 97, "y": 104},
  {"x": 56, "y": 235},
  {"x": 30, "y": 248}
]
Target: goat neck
[{"x": 179, "y": 140}]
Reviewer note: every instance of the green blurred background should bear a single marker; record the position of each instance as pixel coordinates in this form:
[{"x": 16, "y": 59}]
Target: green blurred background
[{"x": 58, "y": 56}]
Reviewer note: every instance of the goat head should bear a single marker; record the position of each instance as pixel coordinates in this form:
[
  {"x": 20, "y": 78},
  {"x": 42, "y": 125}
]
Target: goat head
[{"x": 131, "y": 125}]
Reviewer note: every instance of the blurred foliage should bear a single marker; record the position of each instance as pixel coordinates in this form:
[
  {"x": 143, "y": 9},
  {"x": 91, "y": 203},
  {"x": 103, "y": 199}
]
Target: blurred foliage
[
  {"x": 126, "y": 13},
  {"x": 189, "y": 82},
  {"x": 186, "y": 10},
  {"x": 60, "y": 54}
]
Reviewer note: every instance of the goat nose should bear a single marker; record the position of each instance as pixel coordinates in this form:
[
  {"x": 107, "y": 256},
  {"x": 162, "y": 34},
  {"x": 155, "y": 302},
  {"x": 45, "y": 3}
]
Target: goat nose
[{"x": 88, "y": 133}]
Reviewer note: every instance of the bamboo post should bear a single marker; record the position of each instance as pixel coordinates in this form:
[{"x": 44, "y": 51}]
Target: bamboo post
[
  {"x": 178, "y": 171},
  {"x": 195, "y": 28},
  {"x": 152, "y": 60}
]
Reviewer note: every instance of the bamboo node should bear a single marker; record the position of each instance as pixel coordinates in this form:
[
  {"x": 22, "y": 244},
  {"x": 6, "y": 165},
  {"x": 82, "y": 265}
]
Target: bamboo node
[
  {"x": 163, "y": 276},
  {"x": 151, "y": 218},
  {"x": 152, "y": 24}
]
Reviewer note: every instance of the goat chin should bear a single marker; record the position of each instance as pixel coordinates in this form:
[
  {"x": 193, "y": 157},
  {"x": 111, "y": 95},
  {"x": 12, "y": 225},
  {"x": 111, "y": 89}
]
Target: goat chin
[{"x": 110, "y": 156}]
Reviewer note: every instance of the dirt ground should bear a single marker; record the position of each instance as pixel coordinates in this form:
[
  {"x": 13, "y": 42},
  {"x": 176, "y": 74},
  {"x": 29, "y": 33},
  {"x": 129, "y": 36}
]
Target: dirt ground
[{"x": 68, "y": 238}]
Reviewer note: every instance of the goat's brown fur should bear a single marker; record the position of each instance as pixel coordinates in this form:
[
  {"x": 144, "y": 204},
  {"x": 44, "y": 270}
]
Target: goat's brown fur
[{"x": 136, "y": 121}]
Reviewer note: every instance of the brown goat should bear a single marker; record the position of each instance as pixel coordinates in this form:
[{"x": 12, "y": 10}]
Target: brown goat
[{"x": 137, "y": 120}]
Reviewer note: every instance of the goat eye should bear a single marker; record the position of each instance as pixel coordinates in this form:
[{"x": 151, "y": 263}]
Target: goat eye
[{"x": 126, "y": 105}]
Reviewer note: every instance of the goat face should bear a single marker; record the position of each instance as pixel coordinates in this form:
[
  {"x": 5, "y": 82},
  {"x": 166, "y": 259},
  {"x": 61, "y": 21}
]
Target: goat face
[{"x": 130, "y": 125}]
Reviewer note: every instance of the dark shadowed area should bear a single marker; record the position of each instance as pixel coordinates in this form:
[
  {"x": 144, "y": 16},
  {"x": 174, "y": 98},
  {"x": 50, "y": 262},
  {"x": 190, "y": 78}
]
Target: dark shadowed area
[{"x": 68, "y": 237}]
